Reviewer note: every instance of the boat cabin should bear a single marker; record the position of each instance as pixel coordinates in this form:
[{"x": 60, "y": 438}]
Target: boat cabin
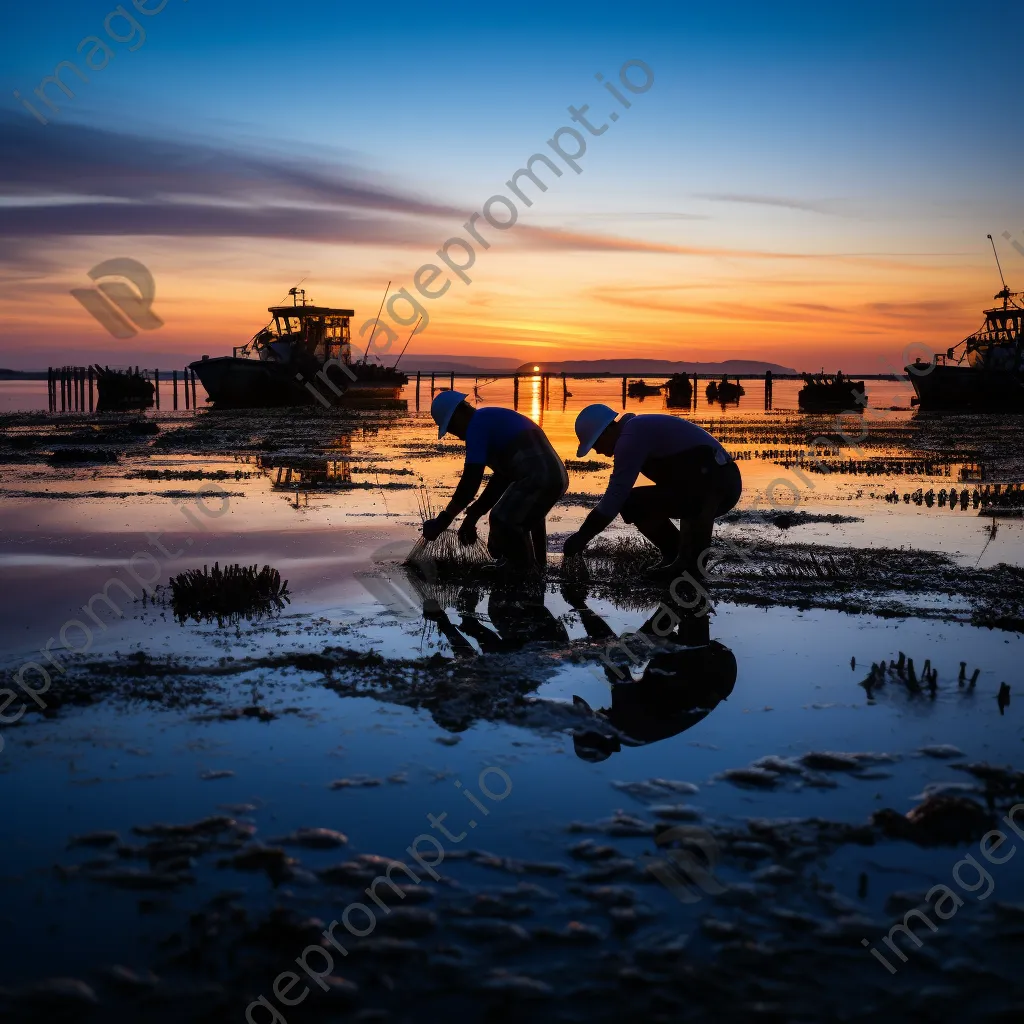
[
  {"x": 998, "y": 343},
  {"x": 320, "y": 332}
]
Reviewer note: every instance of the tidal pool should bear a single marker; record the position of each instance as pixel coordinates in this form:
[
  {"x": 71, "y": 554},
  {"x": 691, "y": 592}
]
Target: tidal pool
[{"x": 690, "y": 825}]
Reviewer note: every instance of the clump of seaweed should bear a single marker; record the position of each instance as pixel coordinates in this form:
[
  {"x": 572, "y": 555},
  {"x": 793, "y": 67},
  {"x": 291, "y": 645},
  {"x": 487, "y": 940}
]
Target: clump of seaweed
[
  {"x": 227, "y": 595},
  {"x": 76, "y": 456},
  {"x": 446, "y": 555},
  {"x": 188, "y": 474},
  {"x": 621, "y": 556}
]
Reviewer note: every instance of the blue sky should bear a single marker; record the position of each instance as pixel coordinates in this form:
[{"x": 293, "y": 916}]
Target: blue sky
[{"x": 799, "y": 128}]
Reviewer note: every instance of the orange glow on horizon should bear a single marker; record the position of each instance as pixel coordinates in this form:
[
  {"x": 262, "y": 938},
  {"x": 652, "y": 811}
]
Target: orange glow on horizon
[{"x": 648, "y": 306}]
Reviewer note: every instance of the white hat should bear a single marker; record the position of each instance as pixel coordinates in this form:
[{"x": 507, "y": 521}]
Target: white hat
[
  {"x": 443, "y": 407},
  {"x": 591, "y": 424}
]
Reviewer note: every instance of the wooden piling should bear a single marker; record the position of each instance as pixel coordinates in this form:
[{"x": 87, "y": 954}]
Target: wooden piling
[
  {"x": 432, "y": 385},
  {"x": 623, "y": 392},
  {"x": 452, "y": 384},
  {"x": 186, "y": 389},
  {"x": 174, "y": 389},
  {"x": 195, "y": 404},
  {"x": 63, "y": 388},
  {"x": 695, "y": 391},
  {"x": 156, "y": 387},
  {"x": 767, "y": 389},
  {"x": 565, "y": 388},
  {"x": 418, "y": 390},
  {"x": 92, "y": 376},
  {"x": 515, "y": 392}
]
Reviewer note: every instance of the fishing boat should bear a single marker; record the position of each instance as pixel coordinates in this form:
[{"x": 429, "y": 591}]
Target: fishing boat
[
  {"x": 678, "y": 391},
  {"x": 824, "y": 392},
  {"x": 118, "y": 390},
  {"x": 985, "y": 371},
  {"x": 641, "y": 389},
  {"x": 302, "y": 357},
  {"x": 724, "y": 391}
]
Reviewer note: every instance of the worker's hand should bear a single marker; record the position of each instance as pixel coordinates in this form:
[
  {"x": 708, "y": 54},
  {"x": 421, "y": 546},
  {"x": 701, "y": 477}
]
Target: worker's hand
[
  {"x": 574, "y": 545},
  {"x": 433, "y": 528},
  {"x": 467, "y": 532}
]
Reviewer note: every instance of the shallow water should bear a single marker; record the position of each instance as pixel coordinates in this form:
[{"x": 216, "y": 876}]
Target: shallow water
[{"x": 130, "y": 742}]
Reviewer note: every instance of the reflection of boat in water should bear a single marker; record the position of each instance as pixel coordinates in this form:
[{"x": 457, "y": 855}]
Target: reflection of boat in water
[
  {"x": 678, "y": 391},
  {"x": 296, "y": 473},
  {"x": 289, "y": 471},
  {"x": 303, "y": 357},
  {"x": 823, "y": 392},
  {"x": 121, "y": 389},
  {"x": 641, "y": 389},
  {"x": 988, "y": 374},
  {"x": 724, "y": 391}
]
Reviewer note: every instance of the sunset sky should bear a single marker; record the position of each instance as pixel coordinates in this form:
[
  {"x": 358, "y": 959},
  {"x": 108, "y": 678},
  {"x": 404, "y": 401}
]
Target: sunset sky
[{"x": 806, "y": 183}]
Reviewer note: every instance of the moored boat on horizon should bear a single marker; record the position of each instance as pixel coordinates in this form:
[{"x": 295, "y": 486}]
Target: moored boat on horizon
[
  {"x": 302, "y": 357},
  {"x": 988, "y": 374},
  {"x": 824, "y": 392}
]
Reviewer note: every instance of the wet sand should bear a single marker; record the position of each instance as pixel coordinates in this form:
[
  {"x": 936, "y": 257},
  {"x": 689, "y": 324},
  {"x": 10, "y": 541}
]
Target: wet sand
[{"x": 703, "y": 822}]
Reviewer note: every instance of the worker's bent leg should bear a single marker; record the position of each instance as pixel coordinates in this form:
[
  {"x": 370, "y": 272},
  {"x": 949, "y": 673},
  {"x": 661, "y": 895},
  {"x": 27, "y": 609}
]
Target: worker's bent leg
[
  {"x": 663, "y": 534},
  {"x": 515, "y": 543},
  {"x": 647, "y": 510},
  {"x": 539, "y": 535}
]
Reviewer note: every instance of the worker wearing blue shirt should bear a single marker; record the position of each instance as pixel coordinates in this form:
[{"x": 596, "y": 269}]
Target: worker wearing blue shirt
[{"x": 528, "y": 478}]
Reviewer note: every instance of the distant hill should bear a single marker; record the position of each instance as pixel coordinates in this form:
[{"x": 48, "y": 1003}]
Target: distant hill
[
  {"x": 445, "y": 364},
  {"x": 22, "y": 374},
  {"x": 655, "y": 366}
]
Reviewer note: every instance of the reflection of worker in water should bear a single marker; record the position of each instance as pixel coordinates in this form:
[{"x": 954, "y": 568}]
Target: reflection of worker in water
[
  {"x": 695, "y": 481},
  {"x": 527, "y": 479},
  {"x": 673, "y": 689},
  {"x": 517, "y": 616}
]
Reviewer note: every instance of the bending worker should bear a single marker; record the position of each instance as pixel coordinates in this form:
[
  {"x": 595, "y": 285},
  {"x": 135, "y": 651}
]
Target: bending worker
[
  {"x": 695, "y": 481},
  {"x": 527, "y": 479}
]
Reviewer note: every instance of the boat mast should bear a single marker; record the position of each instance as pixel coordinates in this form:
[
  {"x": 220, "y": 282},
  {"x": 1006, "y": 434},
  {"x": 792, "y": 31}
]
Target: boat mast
[
  {"x": 366, "y": 354},
  {"x": 1005, "y": 293}
]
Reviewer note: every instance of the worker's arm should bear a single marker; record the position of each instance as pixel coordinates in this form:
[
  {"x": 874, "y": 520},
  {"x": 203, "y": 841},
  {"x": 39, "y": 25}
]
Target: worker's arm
[
  {"x": 495, "y": 488},
  {"x": 629, "y": 457},
  {"x": 590, "y": 528},
  {"x": 472, "y": 475}
]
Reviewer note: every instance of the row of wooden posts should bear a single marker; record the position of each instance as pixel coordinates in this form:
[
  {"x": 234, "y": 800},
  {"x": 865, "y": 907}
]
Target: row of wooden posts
[
  {"x": 545, "y": 386},
  {"x": 76, "y": 388}
]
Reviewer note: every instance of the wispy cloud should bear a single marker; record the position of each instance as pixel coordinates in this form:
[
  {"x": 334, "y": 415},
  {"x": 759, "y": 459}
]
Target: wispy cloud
[
  {"x": 91, "y": 162},
  {"x": 73, "y": 181},
  {"x": 65, "y": 182},
  {"x": 832, "y": 207}
]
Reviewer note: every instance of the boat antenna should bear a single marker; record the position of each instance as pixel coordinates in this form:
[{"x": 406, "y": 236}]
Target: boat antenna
[
  {"x": 998, "y": 265},
  {"x": 402, "y": 353},
  {"x": 366, "y": 354},
  {"x": 290, "y": 292}
]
